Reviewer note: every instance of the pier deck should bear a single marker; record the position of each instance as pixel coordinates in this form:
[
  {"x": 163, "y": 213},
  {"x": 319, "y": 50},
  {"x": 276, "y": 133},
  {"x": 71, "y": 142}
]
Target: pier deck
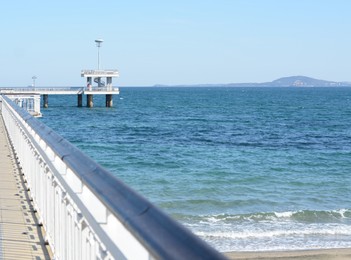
[{"x": 20, "y": 235}]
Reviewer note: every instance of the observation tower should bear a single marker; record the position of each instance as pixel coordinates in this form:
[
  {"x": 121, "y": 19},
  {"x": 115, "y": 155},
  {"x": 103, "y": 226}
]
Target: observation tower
[{"x": 102, "y": 87}]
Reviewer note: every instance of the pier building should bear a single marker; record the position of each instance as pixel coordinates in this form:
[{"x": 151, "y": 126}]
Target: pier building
[{"x": 103, "y": 87}]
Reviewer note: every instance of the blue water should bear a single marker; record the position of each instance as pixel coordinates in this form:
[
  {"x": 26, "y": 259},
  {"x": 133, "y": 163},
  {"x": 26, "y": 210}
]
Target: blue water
[{"x": 246, "y": 169}]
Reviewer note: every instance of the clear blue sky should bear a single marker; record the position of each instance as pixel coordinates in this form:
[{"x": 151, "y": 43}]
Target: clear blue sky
[{"x": 175, "y": 42}]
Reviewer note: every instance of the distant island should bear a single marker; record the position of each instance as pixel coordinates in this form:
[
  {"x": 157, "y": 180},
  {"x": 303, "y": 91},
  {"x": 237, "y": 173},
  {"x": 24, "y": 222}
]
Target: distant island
[
  {"x": 293, "y": 81},
  {"x": 302, "y": 81}
]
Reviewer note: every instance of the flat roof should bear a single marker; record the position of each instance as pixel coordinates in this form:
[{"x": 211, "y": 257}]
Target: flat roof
[{"x": 99, "y": 73}]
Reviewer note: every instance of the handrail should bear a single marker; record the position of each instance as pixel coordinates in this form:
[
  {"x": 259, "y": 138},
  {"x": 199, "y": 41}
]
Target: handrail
[
  {"x": 96, "y": 200},
  {"x": 40, "y": 89},
  {"x": 102, "y": 89},
  {"x": 109, "y": 72}
]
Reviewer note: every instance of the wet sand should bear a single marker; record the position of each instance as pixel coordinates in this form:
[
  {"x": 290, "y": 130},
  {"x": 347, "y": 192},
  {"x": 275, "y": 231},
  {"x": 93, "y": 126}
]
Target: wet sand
[{"x": 322, "y": 254}]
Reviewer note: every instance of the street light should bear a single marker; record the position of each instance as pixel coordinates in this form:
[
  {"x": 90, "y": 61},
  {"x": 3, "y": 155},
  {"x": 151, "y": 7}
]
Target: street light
[
  {"x": 98, "y": 44},
  {"x": 34, "y": 78}
]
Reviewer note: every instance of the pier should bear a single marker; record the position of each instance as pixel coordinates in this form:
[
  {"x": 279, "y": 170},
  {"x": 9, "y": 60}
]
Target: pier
[
  {"x": 82, "y": 210},
  {"x": 30, "y": 98},
  {"x": 101, "y": 88}
]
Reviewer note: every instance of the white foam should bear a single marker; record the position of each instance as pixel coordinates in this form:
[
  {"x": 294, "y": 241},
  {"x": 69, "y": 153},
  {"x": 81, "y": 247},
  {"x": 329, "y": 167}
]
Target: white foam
[
  {"x": 316, "y": 230},
  {"x": 287, "y": 238},
  {"x": 343, "y": 211},
  {"x": 286, "y": 230},
  {"x": 287, "y": 214}
]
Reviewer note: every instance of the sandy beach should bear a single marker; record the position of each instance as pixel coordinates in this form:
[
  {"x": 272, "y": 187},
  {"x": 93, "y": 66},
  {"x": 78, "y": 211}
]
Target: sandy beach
[{"x": 323, "y": 254}]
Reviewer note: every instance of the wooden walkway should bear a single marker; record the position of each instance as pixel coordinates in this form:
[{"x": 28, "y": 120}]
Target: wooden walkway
[{"x": 20, "y": 235}]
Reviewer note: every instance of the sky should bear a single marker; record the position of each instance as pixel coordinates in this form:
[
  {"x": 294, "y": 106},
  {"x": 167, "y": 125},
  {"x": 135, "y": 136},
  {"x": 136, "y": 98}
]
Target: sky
[{"x": 174, "y": 42}]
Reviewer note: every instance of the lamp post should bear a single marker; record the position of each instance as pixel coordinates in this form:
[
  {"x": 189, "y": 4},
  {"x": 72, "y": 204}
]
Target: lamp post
[
  {"x": 98, "y": 44},
  {"x": 34, "y": 78}
]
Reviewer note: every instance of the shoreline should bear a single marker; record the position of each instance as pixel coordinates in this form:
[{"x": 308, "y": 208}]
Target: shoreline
[{"x": 319, "y": 254}]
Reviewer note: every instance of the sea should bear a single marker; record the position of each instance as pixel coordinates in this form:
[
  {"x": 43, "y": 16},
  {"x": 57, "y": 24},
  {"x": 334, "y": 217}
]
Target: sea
[{"x": 245, "y": 169}]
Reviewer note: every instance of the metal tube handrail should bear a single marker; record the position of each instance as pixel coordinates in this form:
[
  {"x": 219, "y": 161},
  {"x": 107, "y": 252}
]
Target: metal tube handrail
[
  {"x": 162, "y": 237},
  {"x": 74, "y": 90}
]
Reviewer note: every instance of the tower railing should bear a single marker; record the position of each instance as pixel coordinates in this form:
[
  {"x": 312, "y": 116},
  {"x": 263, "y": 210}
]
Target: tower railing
[
  {"x": 102, "y": 89},
  {"x": 86, "y": 212},
  {"x": 100, "y": 73}
]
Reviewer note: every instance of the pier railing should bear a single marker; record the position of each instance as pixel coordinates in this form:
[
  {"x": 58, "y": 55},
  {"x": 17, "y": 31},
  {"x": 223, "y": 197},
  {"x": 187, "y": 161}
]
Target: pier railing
[
  {"x": 37, "y": 90},
  {"x": 85, "y": 211}
]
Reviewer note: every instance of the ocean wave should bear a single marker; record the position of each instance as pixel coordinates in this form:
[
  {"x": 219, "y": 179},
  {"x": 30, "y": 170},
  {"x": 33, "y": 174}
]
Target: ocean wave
[
  {"x": 340, "y": 215},
  {"x": 304, "y": 216},
  {"x": 266, "y": 237},
  {"x": 340, "y": 230}
]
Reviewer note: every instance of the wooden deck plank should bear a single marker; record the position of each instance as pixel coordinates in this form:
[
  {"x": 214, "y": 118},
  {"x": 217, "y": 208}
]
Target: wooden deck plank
[{"x": 20, "y": 235}]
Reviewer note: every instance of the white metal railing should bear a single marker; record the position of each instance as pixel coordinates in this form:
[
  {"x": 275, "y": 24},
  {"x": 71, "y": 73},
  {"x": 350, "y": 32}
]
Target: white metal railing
[
  {"x": 77, "y": 90},
  {"x": 86, "y": 212},
  {"x": 29, "y": 102},
  {"x": 109, "y": 73},
  {"x": 31, "y": 90},
  {"x": 102, "y": 89}
]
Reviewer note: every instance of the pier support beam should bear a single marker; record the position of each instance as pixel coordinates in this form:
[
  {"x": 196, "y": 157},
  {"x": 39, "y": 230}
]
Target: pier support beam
[
  {"x": 109, "y": 83},
  {"x": 89, "y": 82},
  {"x": 90, "y": 102},
  {"x": 46, "y": 101},
  {"x": 109, "y": 100},
  {"x": 80, "y": 100}
]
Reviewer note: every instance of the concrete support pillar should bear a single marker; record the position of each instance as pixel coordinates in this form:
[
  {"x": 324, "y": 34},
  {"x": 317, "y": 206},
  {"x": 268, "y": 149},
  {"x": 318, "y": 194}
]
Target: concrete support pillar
[
  {"x": 90, "y": 102},
  {"x": 89, "y": 83},
  {"x": 80, "y": 100},
  {"x": 45, "y": 101},
  {"x": 109, "y": 100},
  {"x": 109, "y": 83}
]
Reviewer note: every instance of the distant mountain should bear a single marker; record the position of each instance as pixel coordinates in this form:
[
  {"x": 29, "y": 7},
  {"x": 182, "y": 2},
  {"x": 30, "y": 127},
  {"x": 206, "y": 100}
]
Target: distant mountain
[
  {"x": 293, "y": 81},
  {"x": 302, "y": 81}
]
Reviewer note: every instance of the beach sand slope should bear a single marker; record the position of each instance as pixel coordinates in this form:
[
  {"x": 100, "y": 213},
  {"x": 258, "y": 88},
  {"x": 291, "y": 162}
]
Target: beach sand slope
[{"x": 323, "y": 254}]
